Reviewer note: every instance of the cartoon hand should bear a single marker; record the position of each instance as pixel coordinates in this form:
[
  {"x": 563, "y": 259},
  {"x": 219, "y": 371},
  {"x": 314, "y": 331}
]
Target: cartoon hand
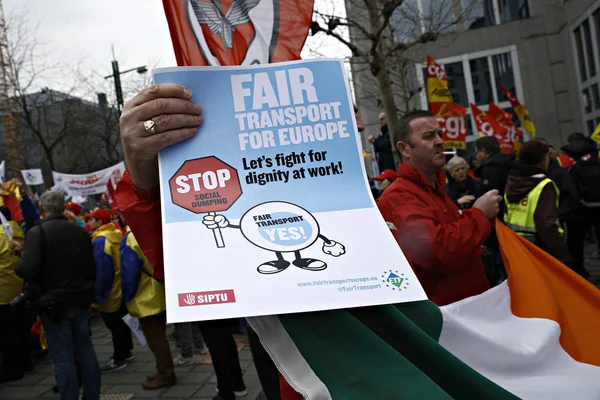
[
  {"x": 215, "y": 221},
  {"x": 334, "y": 249}
]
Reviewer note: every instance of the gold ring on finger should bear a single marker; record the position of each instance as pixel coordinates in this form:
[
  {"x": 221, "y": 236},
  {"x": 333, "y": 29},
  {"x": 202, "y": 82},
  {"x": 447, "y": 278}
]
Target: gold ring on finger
[{"x": 150, "y": 126}]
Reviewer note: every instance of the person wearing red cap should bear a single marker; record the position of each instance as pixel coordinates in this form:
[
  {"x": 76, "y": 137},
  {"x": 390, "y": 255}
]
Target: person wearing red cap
[
  {"x": 72, "y": 211},
  {"x": 106, "y": 240},
  {"x": 386, "y": 178}
]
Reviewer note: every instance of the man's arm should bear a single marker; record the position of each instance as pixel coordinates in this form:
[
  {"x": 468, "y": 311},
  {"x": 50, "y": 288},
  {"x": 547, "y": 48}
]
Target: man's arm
[
  {"x": 105, "y": 272},
  {"x": 546, "y": 223},
  {"x": 427, "y": 242},
  {"x": 31, "y": 262},
  {"x": 141, "y": 209}
]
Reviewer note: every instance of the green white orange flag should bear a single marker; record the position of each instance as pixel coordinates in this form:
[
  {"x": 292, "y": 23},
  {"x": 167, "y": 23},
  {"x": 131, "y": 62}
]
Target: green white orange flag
[
  {"x": 449, "y": 114},
  {"x": 535, "y": 337},
  {"x": 520, "y": 110},
  {"x": 512, "y": 139}
]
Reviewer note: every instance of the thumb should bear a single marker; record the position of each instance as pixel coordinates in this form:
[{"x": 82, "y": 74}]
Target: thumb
[{"x": 493, "y": 192}]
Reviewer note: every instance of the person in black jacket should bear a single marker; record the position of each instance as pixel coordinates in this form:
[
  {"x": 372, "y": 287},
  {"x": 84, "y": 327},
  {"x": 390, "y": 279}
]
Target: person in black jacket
[
  {"x": 57, "y": 260},
  {"x": 382, "y": 144},
  {"x": 568, "y": 199},
  {"x": 492, "y": 168},
  {"x": 586, "y": 176},
  {"x": 461, "y": 188}
]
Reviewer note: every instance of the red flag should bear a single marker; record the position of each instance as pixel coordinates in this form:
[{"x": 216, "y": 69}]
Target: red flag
[
  {"x": 237, "y": 32},
  {"x": 488, "y": 126},
  {"x": 512, "y": 139},
  {"x": 450, "y": 115}
]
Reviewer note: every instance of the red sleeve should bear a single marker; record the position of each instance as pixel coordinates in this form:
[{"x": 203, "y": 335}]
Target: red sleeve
[
  {"x": 141, "y": 209},
  {"x": 426, "y": 242},
  {"x": 286, "y": 391}
]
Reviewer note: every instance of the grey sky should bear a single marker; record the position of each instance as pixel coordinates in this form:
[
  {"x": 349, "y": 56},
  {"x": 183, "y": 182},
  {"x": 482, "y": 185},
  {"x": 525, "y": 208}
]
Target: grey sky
[{"x": 82, "y": 32}]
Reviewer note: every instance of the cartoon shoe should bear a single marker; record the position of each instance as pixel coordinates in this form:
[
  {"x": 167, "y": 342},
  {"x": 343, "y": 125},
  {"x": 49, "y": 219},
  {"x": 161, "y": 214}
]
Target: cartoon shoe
[
  {"x": 311, "y": 264},
  {"x": 273, "y": 267}
]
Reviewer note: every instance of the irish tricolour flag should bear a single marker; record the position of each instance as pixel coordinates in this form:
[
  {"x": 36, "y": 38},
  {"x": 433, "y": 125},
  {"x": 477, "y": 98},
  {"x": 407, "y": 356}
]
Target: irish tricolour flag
[{"x": 536, "y": 336}]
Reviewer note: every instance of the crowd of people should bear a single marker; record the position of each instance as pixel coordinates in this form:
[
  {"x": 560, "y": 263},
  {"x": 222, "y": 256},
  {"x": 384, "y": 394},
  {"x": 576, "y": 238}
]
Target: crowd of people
[{"x": 440, "y": 211}]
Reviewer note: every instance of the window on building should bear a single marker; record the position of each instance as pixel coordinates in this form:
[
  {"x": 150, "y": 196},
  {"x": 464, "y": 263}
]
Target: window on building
[
  {"x": 586, "y": 41},
  {"x": 481, "y": 13},
  {"x": 476, "y": 78}
]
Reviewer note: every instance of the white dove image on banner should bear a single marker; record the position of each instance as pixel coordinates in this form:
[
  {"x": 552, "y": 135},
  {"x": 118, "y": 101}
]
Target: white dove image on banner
[
  {"x": 92, "y": 183},
  {"x": 32, "y": 177}
]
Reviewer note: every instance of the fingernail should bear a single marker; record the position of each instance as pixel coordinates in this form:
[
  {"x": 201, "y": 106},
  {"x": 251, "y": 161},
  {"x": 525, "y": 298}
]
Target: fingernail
[
  {"x": 200, "y": 120},
  {"x": 187, "y": 92},
  {"x": 197, "y": 108}
]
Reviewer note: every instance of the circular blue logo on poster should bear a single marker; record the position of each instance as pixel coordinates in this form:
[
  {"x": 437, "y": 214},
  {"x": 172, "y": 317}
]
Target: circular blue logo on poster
[{"x": 285, "y": 229}]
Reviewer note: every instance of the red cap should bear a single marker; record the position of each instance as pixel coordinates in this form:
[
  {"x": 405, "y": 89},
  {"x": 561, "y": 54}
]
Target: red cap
[
  {"x": 387, "y": 174},
  {"x": 73, "y": 207},
  {"x": 101, "y": 215}
]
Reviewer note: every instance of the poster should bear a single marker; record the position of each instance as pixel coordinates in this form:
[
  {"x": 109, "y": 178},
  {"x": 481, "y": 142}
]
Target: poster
[
  {"x": 32, "y": 177},
  {"x": 268, "y": 209},
  {"x": 85, "y": 184}
]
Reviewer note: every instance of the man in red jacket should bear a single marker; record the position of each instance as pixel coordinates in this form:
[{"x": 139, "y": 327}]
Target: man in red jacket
[{"x": 441, "y": 242}]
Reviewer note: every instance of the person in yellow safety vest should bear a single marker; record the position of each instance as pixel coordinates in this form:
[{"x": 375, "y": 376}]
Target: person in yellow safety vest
[
  {"x": 531, "y": 200},
  {"x": 145, "y": 299},
  {"x": 14, "y": 335},
  {"x": 106, "y": 240}
]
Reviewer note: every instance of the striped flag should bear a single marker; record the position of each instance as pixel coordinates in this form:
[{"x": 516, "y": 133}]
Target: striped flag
[
  {"x": 449, "y": 114},
  {"x": 533, "y": 337},
  {"x": 520, "y": 110}
]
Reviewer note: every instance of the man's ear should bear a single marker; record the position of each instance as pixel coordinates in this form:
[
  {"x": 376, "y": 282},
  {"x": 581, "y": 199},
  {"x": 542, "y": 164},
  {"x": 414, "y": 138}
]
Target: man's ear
[{"x": 403, "y": 149}]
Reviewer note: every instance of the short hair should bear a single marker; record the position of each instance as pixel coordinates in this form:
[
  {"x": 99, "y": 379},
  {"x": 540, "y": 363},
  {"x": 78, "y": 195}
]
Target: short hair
[
  {"x": 6, "y": 212},
  {"x": 402, "y": 130},
  {"x": 53, "y": 202},
  {"x": 454, "y": 161},
  {"x": 575, "y": 137},
  {"x": 488, "y": 143},
  {"x": 533, "y": 152}
]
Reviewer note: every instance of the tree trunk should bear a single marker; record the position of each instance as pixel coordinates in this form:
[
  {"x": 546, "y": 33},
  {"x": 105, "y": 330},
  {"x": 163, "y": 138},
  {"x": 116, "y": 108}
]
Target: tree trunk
[
  {"x": 389, "y": 104},
  {"x": 381, "y": 74}
]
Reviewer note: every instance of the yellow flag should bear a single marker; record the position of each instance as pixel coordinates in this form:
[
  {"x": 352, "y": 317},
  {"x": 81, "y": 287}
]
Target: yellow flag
[
  {"x": 520, "y": 110},
  {"x": 596, "y": 135}
]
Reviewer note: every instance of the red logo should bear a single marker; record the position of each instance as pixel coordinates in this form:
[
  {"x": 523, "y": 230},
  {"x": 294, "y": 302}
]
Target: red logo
[
  {"x": 206, "y": 298},
  {"x": 85, "y": 182},
  {"x": 227, "y": 28},
  {"x": 205, "y": 185}
]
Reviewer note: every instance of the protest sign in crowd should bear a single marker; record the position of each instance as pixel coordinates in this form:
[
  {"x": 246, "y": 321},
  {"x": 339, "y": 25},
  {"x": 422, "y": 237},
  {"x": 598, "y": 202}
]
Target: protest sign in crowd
[{"x": 244, "y": 201}]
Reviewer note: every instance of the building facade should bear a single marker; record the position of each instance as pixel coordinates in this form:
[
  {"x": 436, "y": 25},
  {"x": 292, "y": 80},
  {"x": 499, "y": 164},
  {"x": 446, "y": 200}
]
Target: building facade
[{"x": 547, "y": 52}]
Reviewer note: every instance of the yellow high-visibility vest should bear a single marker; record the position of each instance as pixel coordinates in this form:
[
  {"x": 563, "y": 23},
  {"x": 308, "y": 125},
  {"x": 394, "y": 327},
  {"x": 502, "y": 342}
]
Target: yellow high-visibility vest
[{"x": 520, "y": 216}]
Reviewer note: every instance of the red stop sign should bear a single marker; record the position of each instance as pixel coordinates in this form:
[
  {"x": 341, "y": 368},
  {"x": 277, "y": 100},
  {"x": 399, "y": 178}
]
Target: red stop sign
[{"x": 205, "y": 185}]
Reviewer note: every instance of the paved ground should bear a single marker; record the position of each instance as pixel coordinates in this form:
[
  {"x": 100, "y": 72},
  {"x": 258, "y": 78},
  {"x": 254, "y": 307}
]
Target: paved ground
[{"x": 193, "y": 382}]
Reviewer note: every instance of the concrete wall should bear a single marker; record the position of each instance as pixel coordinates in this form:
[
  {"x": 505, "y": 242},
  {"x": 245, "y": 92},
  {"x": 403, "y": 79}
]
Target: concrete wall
[{"x": 545, "y": 60}]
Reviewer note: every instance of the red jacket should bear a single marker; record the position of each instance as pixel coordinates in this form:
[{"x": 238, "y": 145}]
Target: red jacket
[{"x": 442, "y": 243}]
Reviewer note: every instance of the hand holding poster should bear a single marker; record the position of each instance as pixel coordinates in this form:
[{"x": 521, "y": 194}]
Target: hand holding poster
[{"x": 267, "y": 210}]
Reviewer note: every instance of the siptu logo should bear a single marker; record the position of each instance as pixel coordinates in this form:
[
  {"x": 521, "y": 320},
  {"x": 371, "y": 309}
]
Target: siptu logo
[{"x": 395, "y": 280}]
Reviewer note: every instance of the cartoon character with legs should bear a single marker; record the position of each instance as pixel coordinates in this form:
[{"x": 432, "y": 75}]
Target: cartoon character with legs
[{"x": 280, "y": 227}]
